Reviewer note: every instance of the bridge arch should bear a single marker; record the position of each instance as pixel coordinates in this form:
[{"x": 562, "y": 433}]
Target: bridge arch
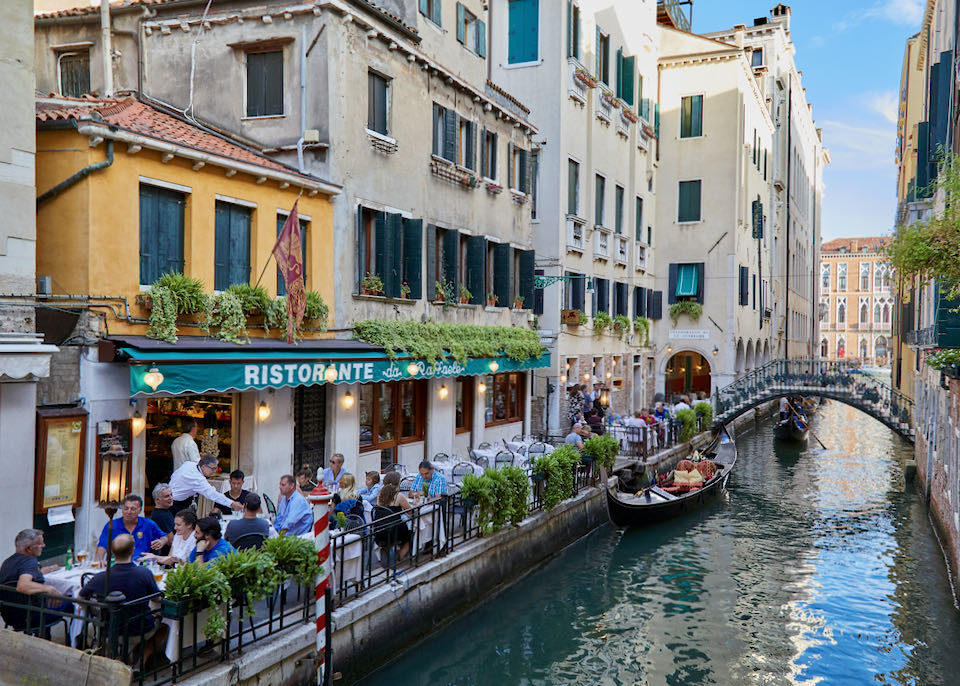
[{"x": 836, "y": 379}]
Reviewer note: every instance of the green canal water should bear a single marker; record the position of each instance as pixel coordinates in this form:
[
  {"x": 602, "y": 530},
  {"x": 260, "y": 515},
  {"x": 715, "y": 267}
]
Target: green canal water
[{"x": 818, "y": 567}]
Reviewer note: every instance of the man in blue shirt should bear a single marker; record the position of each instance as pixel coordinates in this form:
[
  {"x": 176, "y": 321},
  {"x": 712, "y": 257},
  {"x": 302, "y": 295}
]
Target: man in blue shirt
[
  {"x": 437, "y": 485},
  {"x": 210, "y": 545},
  {"x": 146, "y": 534},
  {"x": 294, "y": 513},
  {"x": 331, "y": 475}
]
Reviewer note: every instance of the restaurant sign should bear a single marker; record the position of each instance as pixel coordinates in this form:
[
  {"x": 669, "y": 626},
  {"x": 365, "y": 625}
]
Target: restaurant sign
[
  {"x": 689, "y": 334},
  {"x": 200, "y": 377}
]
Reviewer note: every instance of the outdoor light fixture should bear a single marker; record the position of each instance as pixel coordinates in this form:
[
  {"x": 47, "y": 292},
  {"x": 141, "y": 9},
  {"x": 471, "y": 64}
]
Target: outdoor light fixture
[
  {"x": 113, "y": 486},
  {"x": 442, "y": 392},
  {"x": 413, "y": 369},
  {"x": 669, "y": 349},
  {"x": 263, "y": 412},
  {"x": 563, "y": 378},
  {"x": 494, "y": 366},
  {"x": 609, "y": 375},
  {"x": 153, "y": 378},
  {"x": 330, "y": 375},
  {"x": 347, "y": 400},
  {"x": 481, "y": 387},
  {"x": 586, "y": 377},
  {"x": 715, "y": 351},
  {"x": 605, "y": 397},
  {"x": 137, "y": 423}
]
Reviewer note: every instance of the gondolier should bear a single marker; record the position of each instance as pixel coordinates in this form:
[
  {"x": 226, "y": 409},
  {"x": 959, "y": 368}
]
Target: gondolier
[{"x": 191, "y": 478}]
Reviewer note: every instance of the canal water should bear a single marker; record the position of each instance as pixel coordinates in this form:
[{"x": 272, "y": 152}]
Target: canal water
[{"x": 818, "y": 567}]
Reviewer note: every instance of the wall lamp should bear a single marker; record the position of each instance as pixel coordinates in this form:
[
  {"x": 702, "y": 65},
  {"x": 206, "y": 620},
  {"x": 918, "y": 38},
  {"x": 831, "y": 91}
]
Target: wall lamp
[
  {"x": 263, "y": 411},
  {"x": 494, "y": 366},
  {"x": 715, "y": 351},
  {"x": 347, "y": 400},
  {"x": 138, "y": 423},
  {"x": 443, "y": 391}
]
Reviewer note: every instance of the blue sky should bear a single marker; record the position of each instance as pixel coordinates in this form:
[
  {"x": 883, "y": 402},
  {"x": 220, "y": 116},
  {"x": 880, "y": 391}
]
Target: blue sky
[{"x": 850, "y": 53}]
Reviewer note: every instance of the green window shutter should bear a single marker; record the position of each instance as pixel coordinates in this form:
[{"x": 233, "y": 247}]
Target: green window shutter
[
  {"x": 620, "y": 74},
  {"x": 477, "y": 268},
  {"x": 492, "y": 171},
  {"x": 449, "y": 136},
  {"x": 576, "y": 31},
  {"x": 743, "y": 285},
  {"x": 501, "y": 274},
  {"x": 481, "y": 38},
  {"x": 696, "y": 116},
  {"x": 510, "y": 179},
  {"x": 701, "y": 281},
  {"x": 573, "y": 183},
  {"x": 461, "y": 24},
  {"x": 256, "y": 84},
  {"x": 599, "y": 58},
  {"x": 471, "y": 162},
  {"x": 393, "y": 256},
  {"x": 598, "y": 199},
  {"x": 523, "y": 183},
  {"x": 687, "y": 280},
  {"x": 170, "y": 206},
  {"x": 525, "y": 277},
  {"x": 638, "y": 221},
  {"x": 423, "y": 7},
  {"x": 381, "y": 248},
  {"x": 689, "y": 201},
  {"x": 618, "y": 209},
  {"x": 672, "y": 283},
  {"x": 413, "y": 256},
  {"x": 569, "y": 28},
  {"x": 686, "y": 115},
  {"x": 451, "y": 260},
  {"x": 484, "y": 172},
  {"x": 239, "y": 266},
  {"x": 431, "y": 262},
  {"x": 435, "y": 14},
  {"x": 523, "y": 27},
  {"x": 438, "y": 121},
  {"x": 149, "y": 271},
  {"x": 264, "y": 83},
  {"x": 629, "y": 77}
]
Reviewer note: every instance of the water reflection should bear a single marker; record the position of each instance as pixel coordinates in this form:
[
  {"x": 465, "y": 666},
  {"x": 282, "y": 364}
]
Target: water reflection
[{"x": 817, "y": 567}]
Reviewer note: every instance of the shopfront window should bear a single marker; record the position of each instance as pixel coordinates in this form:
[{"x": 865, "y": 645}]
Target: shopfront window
[
  {"x": 391, "y": 413},
  {"x": 464, "y": 404},
  {"x": 504, "y": 398}
]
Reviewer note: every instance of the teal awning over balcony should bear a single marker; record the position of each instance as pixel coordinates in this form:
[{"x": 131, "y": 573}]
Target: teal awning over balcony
[{"x": 686, "y": 280}]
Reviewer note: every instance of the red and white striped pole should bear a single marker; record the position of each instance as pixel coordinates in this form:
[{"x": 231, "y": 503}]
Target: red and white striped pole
[{"x": 320, "y": 498}]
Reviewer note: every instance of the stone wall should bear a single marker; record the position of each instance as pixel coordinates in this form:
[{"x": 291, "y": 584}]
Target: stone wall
[{"x": 63, "y": 384}]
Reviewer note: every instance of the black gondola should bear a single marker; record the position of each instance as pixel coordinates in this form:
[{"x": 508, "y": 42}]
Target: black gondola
[
  {"x": 793, "y": 428},
  {"x": 654, "y": 504}
]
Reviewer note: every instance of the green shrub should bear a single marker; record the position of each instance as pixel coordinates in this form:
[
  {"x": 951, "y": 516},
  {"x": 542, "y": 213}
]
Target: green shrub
[
  {"x": 688, "y": 424},
  {"x": 187, "y": 292},
  {"x": 316, "y": 310},
  {"x": 201, "y": 587},
  {"x": 252, "y": 573},
  {"x": 601, "y": 321},
  {"x": 557, "y": 470},
  {"x": 253, "y": 299},
  {"x": 499, "y": 496},
  {"x": 295, "y": 557},
  {"x": 603, "y": 449},
  {"x": 705, "y": 410},
  {"x": 622, "y": 324},
  {"x": 691, "y": 309}
]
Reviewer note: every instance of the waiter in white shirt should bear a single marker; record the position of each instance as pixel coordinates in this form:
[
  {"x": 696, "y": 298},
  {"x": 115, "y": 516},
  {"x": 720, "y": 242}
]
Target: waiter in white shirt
[
  {"x": 184, "y": 448},
  {"x": 191, "y": 479}
]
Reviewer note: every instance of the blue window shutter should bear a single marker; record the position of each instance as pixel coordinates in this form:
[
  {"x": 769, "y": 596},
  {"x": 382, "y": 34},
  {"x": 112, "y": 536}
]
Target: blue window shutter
[
  {"x": 393, "y": 254},
  {"x": 483, "y": 153},
  {"x": 525, "y": 278},
  {"x": 596, "y": 49},
  {"x": 501, "y": 274},
  {"x": 672, "y": 284},
  {"x": 523, "y": 31},
  {"x": 435, "y": 14},
  {"x": 700, "y": 283},
  {"x": 619, "y": 84},
  {"x": 696, "y": 122},
  {"x": 470, "y": 157},
  {"x": 281, "y": 286},
  {"x": 569, "y": 28},
  {"x": 170, "y": 234},
  {"x": 461, "y": 24},
  {"x": 477, "y": 268},
  {"x": 431, "y": 262},
  {"x": 510, "y": 181},
  {"x": 689, "y": 201},
  {"x": 423, "y": 7},
  {"x": 438, "y": 121},
  {"x": 148, "y": 236},
  {"x": 239, "y": 265},
  {"x": 579, "y": 289},
  {"x": 451, "y": 262},
  {"x": 413, "y": 256},
  {"x": 380, "y": 247},
  {"x": 523, "y": 181},
  {"x": 743, "y": 285},
  {"x": 449, "y": 136},
  {"x": 481, "y": 38}
]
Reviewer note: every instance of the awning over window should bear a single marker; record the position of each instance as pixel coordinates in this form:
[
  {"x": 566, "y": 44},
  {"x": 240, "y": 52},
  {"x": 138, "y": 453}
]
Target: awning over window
[
  {"x": 686, "y": 280},
  {"x": 207, "y": 366}
]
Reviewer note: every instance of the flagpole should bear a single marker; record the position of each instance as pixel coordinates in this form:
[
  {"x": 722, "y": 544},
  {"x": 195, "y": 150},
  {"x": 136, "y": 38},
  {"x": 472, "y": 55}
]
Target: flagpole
[{"x": 276, "y": 242}]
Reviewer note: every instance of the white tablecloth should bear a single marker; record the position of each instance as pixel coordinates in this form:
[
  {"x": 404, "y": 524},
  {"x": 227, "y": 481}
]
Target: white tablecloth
[
  {"x": 424, "y": 530},
  {"x": 350, "y": 547},
  {"x": 446, "y": 469}
]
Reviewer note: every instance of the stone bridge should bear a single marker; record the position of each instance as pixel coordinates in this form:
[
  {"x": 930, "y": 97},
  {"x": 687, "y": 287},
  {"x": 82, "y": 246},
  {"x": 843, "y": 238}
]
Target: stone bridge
[{"x": 838, "y": 380}]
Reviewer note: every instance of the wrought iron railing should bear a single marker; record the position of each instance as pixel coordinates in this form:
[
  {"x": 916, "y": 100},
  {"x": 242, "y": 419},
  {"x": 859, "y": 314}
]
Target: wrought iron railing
[{"x": 921, "y": 337}]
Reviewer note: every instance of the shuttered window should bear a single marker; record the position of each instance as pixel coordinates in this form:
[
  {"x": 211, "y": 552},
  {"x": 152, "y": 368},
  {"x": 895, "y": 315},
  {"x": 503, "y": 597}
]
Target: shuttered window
[
  {"x": 74, "y": 73},
  {"x": 602, "y": 48},
  {"x": 601, "y": 296},
  {"x": 691, "y": 116},
  {"x": 264, "y": 83},
  {"x": 488, "y": 156},
  {"x": 412, "y": 257},
  {"x": 654, "y": 304},
  {"x": 231, "y": 247},
  {"x": 639, "y": 301},
  {"x": 281, "y": 220},
  {"x": 377, "y": 100},
  {"x": 685, "y": 282},
  {"x": 573, "y": 188},
  {"x": 574, "y": 292},
  {"x": 477, "y": 269},
  {"x": 688, "y": 209},
  {"x": 467, "y": 144},
  {"x": 621, "y": 300},
  {"x": 472, "y": 32},
  {"x": 618, "y": 209},
  {"x": 626, "y": 76},
  {"x": 161, "y": 232},
  {"x": 445, "y": 129},
  {"x": 502, "y": 273},
  {"x": 573, "y": 30},
  {"x": 525, "y": 278},
  {"x": 638, "y": 221},
  {"x": 599, "y": 209},
  {"x": 381, "y": 250},
  {"x": 431, "y": 10},
  {"x": 517, "y": 172},
  {"x": 744, "y": 295},
  {"x": 523, "y": 31}
]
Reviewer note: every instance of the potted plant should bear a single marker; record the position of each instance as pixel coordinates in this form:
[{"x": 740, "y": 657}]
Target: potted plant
[
  {"x": 621, "y": 324},
  {"x": 518, "y": 302},
  {"x": 601, "y": 322},
  {"x": 295, "y": 558},
  {"x": 252, "y": 299},
  {"x": 404, "y": 290},
  {"x": 582, "y": 318},
  {"x": 371, "y": 285},
  {"x": 602, "y": 449},
  {"x": 687, "y": 307},
  {"x": 491, "y": 299},
  {"x": 642, "y": 326},
  {"x": 250, "y": 573},
  {"x": 441, "y": 295},
  {"x": 197, "y": 588},
  {"x": 465, "y": 295}
]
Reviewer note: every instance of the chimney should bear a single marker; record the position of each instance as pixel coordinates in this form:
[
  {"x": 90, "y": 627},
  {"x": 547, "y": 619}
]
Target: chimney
[
  {"x": 781, "y": 15},
  {"x": 738, "y": 31}
]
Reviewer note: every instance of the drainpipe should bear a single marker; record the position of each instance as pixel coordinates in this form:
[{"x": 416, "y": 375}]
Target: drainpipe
[
  {"x": 786, "y": 306},
  {"x": 107, "y": 48},
  {"x": 303, "y": 97},
  {"x": 80, "y": 175}
]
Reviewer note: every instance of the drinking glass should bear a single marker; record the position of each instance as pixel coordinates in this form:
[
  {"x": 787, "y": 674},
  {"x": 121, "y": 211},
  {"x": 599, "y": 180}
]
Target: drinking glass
[{"x": 82, "y": 558}]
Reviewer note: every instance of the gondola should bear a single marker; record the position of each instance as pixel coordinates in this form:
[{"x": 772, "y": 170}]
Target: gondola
[
  {"x": 793, "y": 428},
  {"x": 654, "y": 504}
]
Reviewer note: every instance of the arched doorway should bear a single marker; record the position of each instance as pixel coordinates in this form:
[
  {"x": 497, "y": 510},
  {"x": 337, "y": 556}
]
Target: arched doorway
[
  {"x": 824, "y": 350},
  {"x": 687, "y": 372},
  {"x": 766, "y": 351},
  {"x": 841, "y": 348},
  {"x": 880, "y": 351},
  {"x": 738, "y": 365},
  {"x": 863, "y": 350},
  {"x": 749, "y": 363}
]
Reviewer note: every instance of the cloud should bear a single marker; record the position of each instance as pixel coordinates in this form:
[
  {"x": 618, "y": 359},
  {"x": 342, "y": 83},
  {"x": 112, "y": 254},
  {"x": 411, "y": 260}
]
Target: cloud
[
  {"x": 901, "y": 12},
  {"x": 886, "y": 104},
  {"x": 855, "y": 147}
]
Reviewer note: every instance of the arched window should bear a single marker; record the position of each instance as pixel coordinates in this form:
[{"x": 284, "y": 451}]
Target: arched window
[
  {"x": 876, "y": 312},
  {"x": 880, "y": 347},
  {"x": 863, "y": 349},
  {"x": 841, "y": 313},
  {"x": 823, "y": 348},
  {"x": 864, "y": 313},
  {"x": 841, "y": 348},
  {"x": 886, "y": 313}
]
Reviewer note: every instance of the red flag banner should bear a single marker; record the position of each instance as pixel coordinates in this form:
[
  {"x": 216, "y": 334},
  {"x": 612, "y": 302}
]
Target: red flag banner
[{"x": 288, "y": 253}]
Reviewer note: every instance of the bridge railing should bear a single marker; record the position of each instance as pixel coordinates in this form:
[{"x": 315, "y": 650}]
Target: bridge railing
[{"x": 837, "y": 379}]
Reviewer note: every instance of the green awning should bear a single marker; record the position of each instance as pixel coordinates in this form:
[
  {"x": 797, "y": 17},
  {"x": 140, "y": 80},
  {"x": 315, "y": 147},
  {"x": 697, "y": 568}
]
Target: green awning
[
  {"x": 686, "y": 280},
  {"x": 197, "y": 371}
]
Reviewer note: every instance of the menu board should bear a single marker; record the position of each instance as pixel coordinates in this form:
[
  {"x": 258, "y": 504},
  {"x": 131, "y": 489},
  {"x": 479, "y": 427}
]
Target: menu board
[{"x": 61, "y": 440}]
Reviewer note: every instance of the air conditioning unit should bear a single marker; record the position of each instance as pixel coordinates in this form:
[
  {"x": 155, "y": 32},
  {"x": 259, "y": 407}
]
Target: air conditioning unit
[{"x": 44, "y": 285}]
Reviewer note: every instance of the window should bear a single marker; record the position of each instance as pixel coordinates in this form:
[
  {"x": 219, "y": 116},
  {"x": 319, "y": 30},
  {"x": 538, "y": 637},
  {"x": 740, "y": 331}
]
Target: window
[
  {"x": 391, "y": 413},
  {"x": 161, "y": 232},
  {"x": 626, "y": 76},
  {"x": 281, "y": 220},
  {"x": 574, "y": 292},
  {"x": 603, "y": 57},
  {"x": 841, "y": 347},
  {"x": 463, "y": 403},
  {"x": 501, "y": 272},
  {"x": 618, "y": 208},
  {"x": 600, "y": 186},
  {"x": 621, "y": 300},
  {"x": 842, "y": 276},
  {"x": 378, "y": 97},
  {"x": 744, "y": 277},
  {"x": 841, "y": 311},
  {"x": 601, "y": 296},
  {"x": 431, "y": 10},
  {"x": 231, "y": 245},
  {"x": 639, "y": 301},
  {"x": 523, "y": 31},
  {"x": 864, "y": 276},
  {"x": 573, "y": 188},
  {"x": 264, "y": 83},
  {"x": 650, "y": 236},
  {"x": 864, "y": 310},
  {"x": 466, "y": 144},
  {"x": 488, "y": 160},
  {"x": 389, "y": 246},
  {"x": 754, "y": 287},
  {"x": 881, "y": 277},
  {"x": 573, "y": 30},
  {"x": 691, "y": 116},
  {"x": 825, "y": 277},
  {"x": 517, "y": 168},
  {"x": 73, "y": 73},
  {"x": 504, "y": 398},
  {"x": 471, "y": 31},
  {"x": 823, "y": 348},
  {"x": 757, "y": 58},
  {"x": 445, "y": 131},
  {"x": 689, "y": 202},
  {"x": 534, "y": 182},
  {"x": 444, "y": 264},
  {"x": 638, "y": 220},
  {"x": 686, "y": 282}
]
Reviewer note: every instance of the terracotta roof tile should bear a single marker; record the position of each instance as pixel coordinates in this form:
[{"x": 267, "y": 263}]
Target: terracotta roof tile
[
  {"x": 855, "y": 245},
  {"x": 142, "y": 119},
  {"x": 95, "y": 9}
]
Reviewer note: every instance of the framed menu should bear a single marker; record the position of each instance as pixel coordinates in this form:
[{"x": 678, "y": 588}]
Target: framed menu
[{"x": 61, "y": 448}]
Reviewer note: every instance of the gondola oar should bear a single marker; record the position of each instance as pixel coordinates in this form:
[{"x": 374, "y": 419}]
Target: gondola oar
[{"x": 807, "y": 424}]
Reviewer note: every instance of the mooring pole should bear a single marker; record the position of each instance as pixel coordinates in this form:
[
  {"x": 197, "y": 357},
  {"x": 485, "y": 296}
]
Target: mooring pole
[{"x": 320, "y": 498}]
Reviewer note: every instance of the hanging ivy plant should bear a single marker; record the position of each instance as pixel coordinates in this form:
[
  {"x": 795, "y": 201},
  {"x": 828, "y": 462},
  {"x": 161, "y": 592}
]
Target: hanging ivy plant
[
  {"x": 316, "y": 310},
  {"x": 642, "y": 326},
  {"x": 621, "y": 324},
  {"x": 691, "y": 309},
  {"x": 227, "y": 313},
  {"x": 163, "y": 315},
  {"x": 431, "y": 341},
  {"x": 601, "y": 321}
]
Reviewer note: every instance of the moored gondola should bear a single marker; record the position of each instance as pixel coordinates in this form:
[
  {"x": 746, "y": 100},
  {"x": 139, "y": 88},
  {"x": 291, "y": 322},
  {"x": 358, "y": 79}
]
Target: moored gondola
[{"x": 656, "y": 503}]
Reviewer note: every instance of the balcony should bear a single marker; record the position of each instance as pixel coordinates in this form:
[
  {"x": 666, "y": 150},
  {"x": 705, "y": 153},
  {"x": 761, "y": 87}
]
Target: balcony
[
  {"x": 623, "y": 250},
  {"x": 641, "y": 253},
  {"x": 623, "y": 121},
  {"x": 669, "y": 12},
  {"x": 601, "y": 243},
  {"x": 575, "y": 234},
  {"x": 921, "y": 338},
  {"x": 578, "y": 82},
  {"x": 604, "y": 105}
]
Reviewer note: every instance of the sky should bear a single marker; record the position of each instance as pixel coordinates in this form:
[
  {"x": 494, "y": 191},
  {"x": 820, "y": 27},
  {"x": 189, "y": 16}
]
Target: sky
[{"x": 850, "y": 53}]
